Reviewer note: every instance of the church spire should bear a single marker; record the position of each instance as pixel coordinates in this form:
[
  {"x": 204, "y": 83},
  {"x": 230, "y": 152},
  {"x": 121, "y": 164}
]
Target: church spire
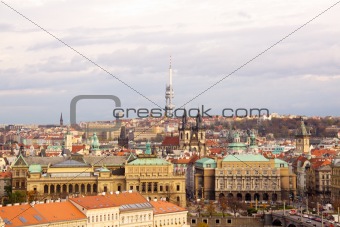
[{"x": 61, "y": 119}]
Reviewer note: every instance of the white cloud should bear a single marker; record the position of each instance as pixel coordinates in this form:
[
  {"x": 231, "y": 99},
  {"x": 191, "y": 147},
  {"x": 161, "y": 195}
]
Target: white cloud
[{"x": 133, "y": 40}]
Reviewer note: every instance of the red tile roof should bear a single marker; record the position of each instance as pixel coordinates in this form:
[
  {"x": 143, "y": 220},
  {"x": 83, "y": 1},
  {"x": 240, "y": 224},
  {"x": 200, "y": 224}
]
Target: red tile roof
[
  {"x": 323, "y": 152},
  {"x": 192, "y": 159},
  {"x": 5, "y": 174},
  {"x": 25, "y": 215},
  {"x": 76, "y": 148},
  {"x": 125, "y": 198},
  {"x": 216, "y": 150},
  {"x": 163, "y": 207},
  {"x": 94, "y": 202},
  {"x": 171, "y": 141},
  {"x": 210, "y": 143},
  {"x": 110, "y": 200}
]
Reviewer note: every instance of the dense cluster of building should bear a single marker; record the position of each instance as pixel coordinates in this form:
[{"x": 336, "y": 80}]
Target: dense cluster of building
[{"x": 188, "y": 163}]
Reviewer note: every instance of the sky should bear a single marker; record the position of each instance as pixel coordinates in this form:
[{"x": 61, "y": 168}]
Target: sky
[{"x": 52, "y": 51}]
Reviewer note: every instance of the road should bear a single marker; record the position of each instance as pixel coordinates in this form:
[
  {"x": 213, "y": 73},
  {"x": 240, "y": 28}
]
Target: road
[{"x": 304, "y": 220}]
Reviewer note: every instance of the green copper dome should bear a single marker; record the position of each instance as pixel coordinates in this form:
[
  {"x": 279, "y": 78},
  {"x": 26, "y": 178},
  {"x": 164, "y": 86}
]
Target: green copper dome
[{"x": 35, "y": 168}]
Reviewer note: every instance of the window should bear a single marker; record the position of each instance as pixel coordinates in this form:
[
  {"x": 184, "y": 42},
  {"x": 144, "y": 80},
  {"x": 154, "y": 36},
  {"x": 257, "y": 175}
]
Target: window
[
  {"x": 217, "y": 221},
  {"x": 161, "y": 188},
  {"x": 229, "y": 221},
  {"x": 178, "y": 187},
  {"x": 193, "y": 221},
  {"x": 131, "y": 187}
]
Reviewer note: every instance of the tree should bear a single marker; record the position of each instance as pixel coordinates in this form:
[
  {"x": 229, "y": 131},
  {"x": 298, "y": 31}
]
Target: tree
[
  {"x": 235, "y": 205},
  {"x": 211, "y": 208},
  {"x": 223, "y": 205},
  {"x": 199, "y": 207},
  {"x": 251, "y": 211},
  {"x": 14, "y": 197}
]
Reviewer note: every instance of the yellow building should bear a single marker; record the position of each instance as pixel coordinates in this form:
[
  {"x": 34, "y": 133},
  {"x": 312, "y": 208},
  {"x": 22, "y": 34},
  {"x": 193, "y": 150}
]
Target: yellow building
[
  {"x": 57, "y": 177},
  {"x": 248, "y": 177},
  {"x": 60, "y": 177},
  {"x": 168, "y": 214},
  {"x": 155, "y": 179}
]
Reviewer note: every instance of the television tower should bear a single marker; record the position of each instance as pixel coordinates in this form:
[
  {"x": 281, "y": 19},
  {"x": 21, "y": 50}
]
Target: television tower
[{"x": 169, "y": 95}]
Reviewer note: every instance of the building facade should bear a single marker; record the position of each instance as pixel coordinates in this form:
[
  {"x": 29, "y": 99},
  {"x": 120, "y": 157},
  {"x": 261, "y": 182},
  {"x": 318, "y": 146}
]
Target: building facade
[
  {"x": 59, "y": 177},
  {"x": 318, "y": 182},
  {"x": 246, "y": 177},
  {"x": 155, "y": 178}
]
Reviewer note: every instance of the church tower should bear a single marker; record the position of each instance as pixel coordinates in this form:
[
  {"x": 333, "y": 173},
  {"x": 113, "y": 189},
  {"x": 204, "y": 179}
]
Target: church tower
[
  {"x": 302, "y": 138},
  {"x": 192, "y": 138},
  {"x": 123, "y": 139},
  {"x": 184, "y": 133},
  {"x": 61, "y": 119}
]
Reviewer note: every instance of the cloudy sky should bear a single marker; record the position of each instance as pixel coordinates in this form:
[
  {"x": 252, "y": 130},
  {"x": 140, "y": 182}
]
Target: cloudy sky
[{"x": 122, "y": 48}]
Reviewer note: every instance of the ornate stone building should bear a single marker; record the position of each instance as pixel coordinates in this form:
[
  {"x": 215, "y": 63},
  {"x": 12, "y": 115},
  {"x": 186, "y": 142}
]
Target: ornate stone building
[
  {"x": 247, "y": 177},
  {"x": 59, "y": 177},
  {"x": 192, "y": 137},
  {"x": 32, "y": 172},
  {"x": 155, "y": 178}
]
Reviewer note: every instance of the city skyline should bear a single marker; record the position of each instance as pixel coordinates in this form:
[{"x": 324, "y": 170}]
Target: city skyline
[{"x": 133, "y": 41}]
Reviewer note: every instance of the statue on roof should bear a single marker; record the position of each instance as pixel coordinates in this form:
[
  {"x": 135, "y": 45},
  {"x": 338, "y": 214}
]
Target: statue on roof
[
  {"x": 148, "y": 148},
  {"x": 94, "y": 142}
]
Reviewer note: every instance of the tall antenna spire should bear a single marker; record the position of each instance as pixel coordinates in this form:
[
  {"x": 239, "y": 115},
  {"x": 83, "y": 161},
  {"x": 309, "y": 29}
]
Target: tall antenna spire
[{"x": 169, "y": 94}]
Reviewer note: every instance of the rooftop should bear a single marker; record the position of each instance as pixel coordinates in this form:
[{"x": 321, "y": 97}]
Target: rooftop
[
  {"x": 26, "y": 215},
  {"x": 163, "y": 207},
  {"x": 149, "y": 161},
  {"x": 245, "y": 158}
]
